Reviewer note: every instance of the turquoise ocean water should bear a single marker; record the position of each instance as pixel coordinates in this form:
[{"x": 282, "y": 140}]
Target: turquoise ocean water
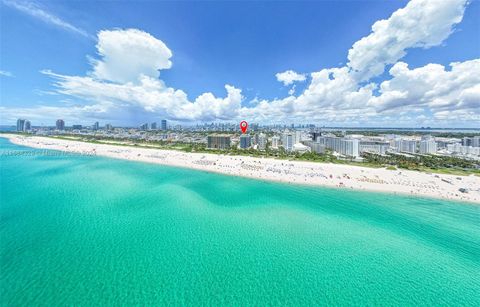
[{"x": 82, "y": 230}]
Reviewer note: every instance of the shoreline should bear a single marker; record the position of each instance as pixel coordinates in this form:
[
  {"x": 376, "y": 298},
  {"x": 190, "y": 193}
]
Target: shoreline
[{"x": 340, "y": 176}]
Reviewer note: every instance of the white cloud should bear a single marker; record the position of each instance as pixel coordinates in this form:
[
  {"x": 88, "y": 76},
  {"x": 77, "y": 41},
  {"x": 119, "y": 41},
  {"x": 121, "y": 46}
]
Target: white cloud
[
  {"x": 292, "y": 90},
  {"x": 332, "y": 95},
  {"x": 124, "y": 83},
  {"x": 340, "y": 94},
  {"x": 289, "y": 77},
  {"x": 460, "y": 116},
  {"x": 36, "y": 11},
  {"x": 431, "y": 86},
  {"x": 209, "y": 107},
  {"x": 128, "y": 55},
  {"x": 151, "y": 95},
  {"x": 127, "y": 75},
  {"x": 422, "y": 23},
  {"x": 5, "y": 73}
]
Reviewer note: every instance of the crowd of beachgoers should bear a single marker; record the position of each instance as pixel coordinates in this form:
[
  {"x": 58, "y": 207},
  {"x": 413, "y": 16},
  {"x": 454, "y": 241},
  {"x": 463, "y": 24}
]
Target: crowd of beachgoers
[{"x": 465, "y": 188}]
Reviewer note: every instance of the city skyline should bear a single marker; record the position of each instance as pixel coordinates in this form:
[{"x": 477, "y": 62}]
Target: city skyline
[
  {"x": 280, "y": 141},
  {"x": 229, "y": 124},
  {"x": 403, "y": 64},
  {"x": 238, "y": 153}
]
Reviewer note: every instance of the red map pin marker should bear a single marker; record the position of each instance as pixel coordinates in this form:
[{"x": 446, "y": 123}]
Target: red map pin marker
[{"x": 243, "y": 126}]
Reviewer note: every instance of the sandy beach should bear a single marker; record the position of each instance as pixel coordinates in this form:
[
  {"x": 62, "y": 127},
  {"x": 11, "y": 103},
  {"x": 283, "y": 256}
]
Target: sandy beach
[{"x": 296, "y": 172}]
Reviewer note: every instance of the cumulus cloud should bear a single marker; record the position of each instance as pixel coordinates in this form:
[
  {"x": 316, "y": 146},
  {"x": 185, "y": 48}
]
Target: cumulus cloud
[
  {"x": 289, "y": 77},
  {"x": 422, "y": 23},
  {"x": 126, "y": 75},
  {"x": 124, "y": 80},
  {"x": 129, "y": 55},
  {"x": 151, "y": 95},
  {"x": 333, "y": 95},
  {"x": 431, "y": 86},
  {"x": 34, "y": 10}
]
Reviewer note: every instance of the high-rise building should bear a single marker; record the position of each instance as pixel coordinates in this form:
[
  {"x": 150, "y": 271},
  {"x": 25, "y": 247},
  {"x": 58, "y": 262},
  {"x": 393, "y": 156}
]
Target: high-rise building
[
  {"x": 344, "y": 146},
  {"x": 153, "y": 126},
  {"x": 163, "y": 124},
  {"x": 315, "y": 135},
  {"x": 288, "y": 140},
  {"x": 396, "y": 143},
  {"x": 316, "y": 147},
  {"x": 458, "y": 149},
  {"x": 144, "y": 126},
  {"x": 376, "y": 147},
  {"x": 27, "y": 126},
  {"x": 428, "y": 146},
  {"x": 60, "y": 124},
  {"x": 476, "y": 141},
  {"x": 218, "y": 141},
  {"x": 245, "y": 141},
  {"x": 275, "y": 142},
  {"x": 349, "y": 147},
  {"x": 442, "y": 144},
  {"x": 471, "y": 141},
  {"x": 262, "y": 141},
  {"x": 255, "y": 139},
  {"x": 466, "y": 141},
  {"x": 21, "y": 124},
  {"x": 96, "y": 126},
  {"x": 409, "y": 146},
  {"x": 298, "y": 136},
  {"x": 108, "y": 127}
]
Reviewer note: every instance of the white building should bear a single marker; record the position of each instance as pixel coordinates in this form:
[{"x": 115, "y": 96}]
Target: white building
[
  {"x": 409, "y": 146},
  {"x": 344, "y": 146},
  {"x": 262, "y": 141},
  {"x": 298, "y": 136},
  {"x": 374, "y": 147},
  {"x": 288, "y": 140},
  {"x": 275, "y": 142},
  {"x": 428, "y": 146},
  {"x": 396, "y": 144},
  {"x": 458, "y": 149},
  {"x": 299, "y": 147},
  {"x": 350, "y": 147}
]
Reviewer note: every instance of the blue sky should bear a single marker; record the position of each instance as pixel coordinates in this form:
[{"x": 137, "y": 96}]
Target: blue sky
[{"x": 243, "y": 45}]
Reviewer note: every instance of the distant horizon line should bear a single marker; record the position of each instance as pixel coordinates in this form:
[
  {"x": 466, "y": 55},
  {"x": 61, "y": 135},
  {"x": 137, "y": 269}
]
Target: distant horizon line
[{"x": 287, "y": 125}]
